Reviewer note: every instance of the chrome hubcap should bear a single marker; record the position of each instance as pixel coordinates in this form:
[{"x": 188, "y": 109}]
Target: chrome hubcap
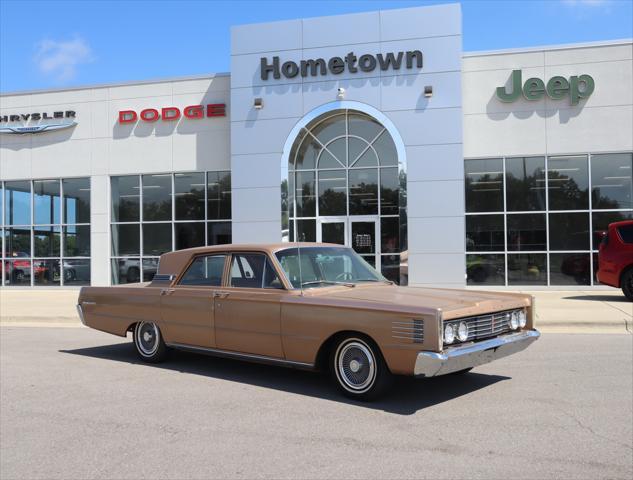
[
  {"x": 355, "y": 366},
  {"x": 147, "y": 338}
]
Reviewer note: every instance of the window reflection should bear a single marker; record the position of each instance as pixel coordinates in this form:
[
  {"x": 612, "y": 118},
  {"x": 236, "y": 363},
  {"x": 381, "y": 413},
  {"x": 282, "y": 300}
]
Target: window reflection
[
  {"x": 219, "y": 195},
  {"x": 17, "y": 203},
  {"x": 485, "y": 269},
  {"x": 47, "y": 202},
  {"x": 332, "y": 192},
  {"x": 568, "y": 183},
  {"x": 526, "y": 232},
  {"x": 527, "y": 269},
  {"x": 363, "y": 191},
  {"x": 569, "y": 231},
  {"x": 156, "y": 197},
  {"x": 484, "y": 233},
  {"x": 126, "y": 198},
  {"x": 612, "y": 180},
  {"x": 484, "y": 185},
  {"x": 76, "y": 200},
  {"x": 525, "y": 183},
  {"x": 189, "y": 196},
  {"x": 569, "y": 269}
]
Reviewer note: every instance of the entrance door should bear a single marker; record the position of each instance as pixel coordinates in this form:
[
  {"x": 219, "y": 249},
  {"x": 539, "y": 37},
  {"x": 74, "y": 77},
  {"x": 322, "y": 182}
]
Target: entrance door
[{"x": 361, "y": 233}]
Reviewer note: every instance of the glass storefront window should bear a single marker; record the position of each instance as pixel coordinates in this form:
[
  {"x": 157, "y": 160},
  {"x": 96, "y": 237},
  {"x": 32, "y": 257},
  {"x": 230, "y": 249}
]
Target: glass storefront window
[
  {"x": 47, "y": 202},
  {"x": 569, "y": 269},
  {"x": 484, "y": 233},
  {"x": 390, "y": 190},
  {"x": 126, "y": 239},
  {"x": 527, "y": 269},
  {"x": 17, "y": 203},
  {"x": 332, "y": 192},
  {"x": 76, "y": 272},
  {"x": 569, "y": 231},
  {"x": 76, "y": 200},
  {"x": 219, "y": 195},
  {"x": 77, "y": 241},
  {"x": 525, "y": 184},
  {"x": 306, "y": 231},
  {"x": 156, "y": 238},
  {"x": 526, "y": 232},
  {"x": 218, "y": 233},
  {"x": 188, "y": 235},
  {"x": 46, "y": 241},
  {"x": 363, "y": 191},
  {"x": 612, "y": 181},
  {"x": 485, "y": 269},
  {"x": 140, "y": 237},
  {"x": 568, "y": 183},
  {"x": 126, "y": 197},
  {"x": 35, "y": 247},
  {"x": 484, "y": 185},
  {"x": 156, "y": 197},
  {"x": 189, "y": 196},
  {"x": 305, "y": 197}
]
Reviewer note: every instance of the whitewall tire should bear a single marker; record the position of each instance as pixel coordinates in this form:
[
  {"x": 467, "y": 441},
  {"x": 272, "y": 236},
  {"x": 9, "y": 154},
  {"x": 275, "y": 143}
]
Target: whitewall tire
[{"x": 149, "y": 342}]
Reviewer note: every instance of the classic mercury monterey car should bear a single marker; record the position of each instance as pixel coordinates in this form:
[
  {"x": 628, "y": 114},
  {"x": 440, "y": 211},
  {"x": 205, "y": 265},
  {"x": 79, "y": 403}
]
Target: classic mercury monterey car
[{"x": 312, "y": 306}]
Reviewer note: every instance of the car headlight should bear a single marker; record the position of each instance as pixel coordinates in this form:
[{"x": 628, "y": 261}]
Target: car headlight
[
  {"x": 522, "y": 319},
  {"x": 449, "y": 333},
  {"x": 514, "y": 320},
  {"x": 462, "y": 332}
]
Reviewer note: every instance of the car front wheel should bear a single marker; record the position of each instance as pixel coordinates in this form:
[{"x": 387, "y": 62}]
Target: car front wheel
[
  {"x": 627, "y": 284},
  {"x": 149, "y": 342},
  {"x": 358, "y": 369}
]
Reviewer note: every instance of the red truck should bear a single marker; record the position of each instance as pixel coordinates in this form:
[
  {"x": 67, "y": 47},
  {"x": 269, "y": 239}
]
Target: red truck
[{"x": 615, "y": 257}]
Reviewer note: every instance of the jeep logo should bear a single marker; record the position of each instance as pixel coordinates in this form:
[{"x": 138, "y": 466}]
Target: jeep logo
[{"x": 577, "y": 87}]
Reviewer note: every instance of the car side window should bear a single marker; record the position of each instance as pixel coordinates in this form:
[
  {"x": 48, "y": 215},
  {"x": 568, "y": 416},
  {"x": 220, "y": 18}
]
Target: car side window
[
  {"x": 205, "y": 271},
  {"x": 253, "y": 270},
  {"x": 626, "y": 232}
]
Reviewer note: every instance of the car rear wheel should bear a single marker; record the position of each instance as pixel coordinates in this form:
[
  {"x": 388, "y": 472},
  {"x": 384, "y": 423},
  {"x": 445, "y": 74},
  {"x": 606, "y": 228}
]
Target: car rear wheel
[
  {"x": 149, "y": 342},
  {"x": 358, "y": 369},
  {"x": 627, "y": 284}
]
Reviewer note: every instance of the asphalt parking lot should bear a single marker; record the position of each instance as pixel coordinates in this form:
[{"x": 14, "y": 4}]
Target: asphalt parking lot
[{"x": 76, "y": 403}]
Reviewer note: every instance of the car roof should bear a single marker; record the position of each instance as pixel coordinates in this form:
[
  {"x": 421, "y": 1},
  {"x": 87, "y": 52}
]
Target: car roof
[
  {"x": 621, "y": 223},
  {"x": 172, "y": 263}
]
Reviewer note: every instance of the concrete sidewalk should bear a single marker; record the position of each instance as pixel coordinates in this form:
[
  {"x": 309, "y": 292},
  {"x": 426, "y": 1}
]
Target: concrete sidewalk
[{"x": 578, "y": 311}]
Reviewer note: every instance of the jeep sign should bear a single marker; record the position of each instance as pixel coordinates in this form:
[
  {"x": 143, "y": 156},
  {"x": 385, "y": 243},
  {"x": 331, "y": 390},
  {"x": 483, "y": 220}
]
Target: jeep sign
[{"x": 557, "y": 88}]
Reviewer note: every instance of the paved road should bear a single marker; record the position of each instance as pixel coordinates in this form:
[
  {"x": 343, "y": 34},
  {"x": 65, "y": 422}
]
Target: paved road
[{"x": 77, "y": 404}]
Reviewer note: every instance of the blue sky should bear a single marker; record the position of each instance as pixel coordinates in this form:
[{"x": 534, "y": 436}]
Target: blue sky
[{"x": 51, "y": 44}]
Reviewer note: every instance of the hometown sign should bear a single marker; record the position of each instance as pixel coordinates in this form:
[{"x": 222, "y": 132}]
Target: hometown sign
[{"x": 557, "y": 88}]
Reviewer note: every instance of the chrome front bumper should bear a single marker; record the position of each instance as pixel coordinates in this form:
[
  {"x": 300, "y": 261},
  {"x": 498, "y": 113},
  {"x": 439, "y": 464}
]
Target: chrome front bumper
[
  {"x": 432, "y": 364},
  {"x": 80, "y": 311}
]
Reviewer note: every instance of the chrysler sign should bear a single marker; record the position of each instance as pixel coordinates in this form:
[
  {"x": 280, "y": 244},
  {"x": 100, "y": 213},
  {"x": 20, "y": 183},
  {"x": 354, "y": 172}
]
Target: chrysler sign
[
  {"x": 337, "y": 65},
  {"x": 36, "y": 116}
]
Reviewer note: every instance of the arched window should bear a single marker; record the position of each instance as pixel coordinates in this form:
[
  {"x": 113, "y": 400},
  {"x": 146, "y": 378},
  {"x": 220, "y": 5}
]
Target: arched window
[{"x": 345, "y": 185}]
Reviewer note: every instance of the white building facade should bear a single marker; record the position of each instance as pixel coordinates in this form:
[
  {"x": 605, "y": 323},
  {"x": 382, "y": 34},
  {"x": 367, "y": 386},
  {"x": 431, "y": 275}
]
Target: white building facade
[{"x": 374, "y": 130}]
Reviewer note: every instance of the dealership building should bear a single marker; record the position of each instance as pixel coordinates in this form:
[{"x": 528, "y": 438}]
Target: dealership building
[{"x": 374, "y": 130}]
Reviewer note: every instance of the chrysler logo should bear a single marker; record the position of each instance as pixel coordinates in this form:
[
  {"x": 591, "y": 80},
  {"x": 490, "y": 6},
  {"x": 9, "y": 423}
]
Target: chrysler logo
[{"x": 36, "y": 128}]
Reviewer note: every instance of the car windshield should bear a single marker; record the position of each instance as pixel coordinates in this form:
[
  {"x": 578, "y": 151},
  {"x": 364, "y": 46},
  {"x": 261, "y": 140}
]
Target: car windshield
[{"x": 313, "y": 267}]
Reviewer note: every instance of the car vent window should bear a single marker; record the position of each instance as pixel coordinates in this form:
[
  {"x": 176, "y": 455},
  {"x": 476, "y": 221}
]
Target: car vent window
[
  {"x": 626, "y": 232},
  {"x": 253, "y": 270},
  {"x": 205, "y": 271}
]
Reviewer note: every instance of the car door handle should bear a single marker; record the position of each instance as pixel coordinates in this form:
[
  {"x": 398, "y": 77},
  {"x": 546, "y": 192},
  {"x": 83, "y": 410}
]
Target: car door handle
[
  {"x": 220, "y": 294},
  {"x": 167, "y": 291}
]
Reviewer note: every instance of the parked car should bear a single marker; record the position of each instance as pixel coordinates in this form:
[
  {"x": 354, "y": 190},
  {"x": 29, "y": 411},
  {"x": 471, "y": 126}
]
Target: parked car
[
  {"x": 615, "y": 257},
  {"x": 310, "y": 306}
]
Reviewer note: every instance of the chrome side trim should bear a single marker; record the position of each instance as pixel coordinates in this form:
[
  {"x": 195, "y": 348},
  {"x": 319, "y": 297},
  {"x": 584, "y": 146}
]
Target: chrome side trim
[
  {"x": 431, "y": 364},
  {"x": 242, "y": 356}
]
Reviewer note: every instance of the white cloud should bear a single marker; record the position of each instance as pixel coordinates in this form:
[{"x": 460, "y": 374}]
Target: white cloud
[{"x": 59, "y": 59}]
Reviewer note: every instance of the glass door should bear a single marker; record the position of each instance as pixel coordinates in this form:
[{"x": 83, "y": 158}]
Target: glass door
[
  {"x": 364, "y": 234},
  {"x": 360, "y": 233}
]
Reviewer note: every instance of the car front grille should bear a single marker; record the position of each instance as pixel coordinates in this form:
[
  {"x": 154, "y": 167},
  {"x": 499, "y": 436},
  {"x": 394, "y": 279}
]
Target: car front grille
[{"x": 485, "y": 326}]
